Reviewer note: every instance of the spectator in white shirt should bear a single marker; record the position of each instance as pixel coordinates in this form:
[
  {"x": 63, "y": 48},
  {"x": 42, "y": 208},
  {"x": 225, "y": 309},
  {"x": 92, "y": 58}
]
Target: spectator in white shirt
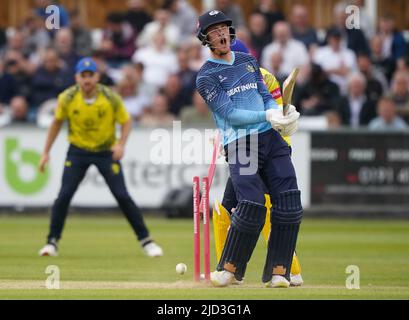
[
  {"x": 387, "y": 119},
  {"x": 159, "y": 61},
  {"x": 293, "y": 51},
  {"x": 336, "y": 60},
  {"x": 160, "y": 24}
]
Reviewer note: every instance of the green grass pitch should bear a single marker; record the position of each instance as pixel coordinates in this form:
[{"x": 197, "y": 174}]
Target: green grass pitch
[{"x": 101, "y": 259}]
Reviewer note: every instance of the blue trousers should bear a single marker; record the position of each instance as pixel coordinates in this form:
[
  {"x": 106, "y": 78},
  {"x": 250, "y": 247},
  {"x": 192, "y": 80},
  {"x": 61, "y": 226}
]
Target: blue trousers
[
  {"x": 77, "y": 163},
  {"x": 274, "y": 172}
]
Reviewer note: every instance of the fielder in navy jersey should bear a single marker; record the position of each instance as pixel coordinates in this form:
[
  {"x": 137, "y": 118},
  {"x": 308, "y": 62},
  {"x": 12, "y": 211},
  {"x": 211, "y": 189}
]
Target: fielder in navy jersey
[{"x": 259, "y": 159}]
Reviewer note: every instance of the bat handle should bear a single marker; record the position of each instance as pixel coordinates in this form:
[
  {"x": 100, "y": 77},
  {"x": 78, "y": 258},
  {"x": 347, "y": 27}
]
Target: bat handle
[{"x": 285, "y": 109}]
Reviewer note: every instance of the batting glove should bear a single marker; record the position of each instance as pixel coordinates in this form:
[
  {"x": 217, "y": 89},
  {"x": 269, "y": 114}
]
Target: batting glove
[
  {"x": 286, "y": 125},
  {"x": 287, "y": 130}
]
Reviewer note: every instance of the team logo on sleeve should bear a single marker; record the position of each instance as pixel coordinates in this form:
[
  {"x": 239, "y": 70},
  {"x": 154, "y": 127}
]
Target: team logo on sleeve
[
  {"x": 250, "y": 68},
  {"x": 210, "y": 95}
]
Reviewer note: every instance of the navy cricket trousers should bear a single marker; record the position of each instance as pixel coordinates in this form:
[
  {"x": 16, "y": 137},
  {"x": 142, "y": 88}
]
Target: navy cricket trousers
[
  {"x": 271, "y": 170},
  {"x": 77, "y": 163}
]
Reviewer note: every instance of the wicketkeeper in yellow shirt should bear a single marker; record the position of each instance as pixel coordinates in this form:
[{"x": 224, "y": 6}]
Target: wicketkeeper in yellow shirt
[{"x": 92, "y": 111}]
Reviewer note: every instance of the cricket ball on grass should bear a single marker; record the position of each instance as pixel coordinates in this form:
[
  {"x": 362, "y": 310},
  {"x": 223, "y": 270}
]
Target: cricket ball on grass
[{"x": 181, "y": 268}]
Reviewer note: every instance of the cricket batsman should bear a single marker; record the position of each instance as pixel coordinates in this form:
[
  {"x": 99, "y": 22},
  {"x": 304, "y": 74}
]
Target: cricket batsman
[
  {"x": 92, "y": 111},
  {"x": 250, "y": 121},
  {"x": 229, "y": 202}
]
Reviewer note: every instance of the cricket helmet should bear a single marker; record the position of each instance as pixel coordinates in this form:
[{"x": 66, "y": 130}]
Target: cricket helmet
[{"x": 209, "y": 19}]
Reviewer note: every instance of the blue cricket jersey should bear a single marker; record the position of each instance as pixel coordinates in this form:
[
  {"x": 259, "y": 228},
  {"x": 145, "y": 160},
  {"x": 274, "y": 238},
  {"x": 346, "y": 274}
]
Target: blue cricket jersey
[{"x": 236, "y": 95}]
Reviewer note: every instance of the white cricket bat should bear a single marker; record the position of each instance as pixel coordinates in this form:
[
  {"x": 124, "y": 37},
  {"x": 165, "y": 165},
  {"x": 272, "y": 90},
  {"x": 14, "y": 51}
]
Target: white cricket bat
[{"x": 288, "y": 87}]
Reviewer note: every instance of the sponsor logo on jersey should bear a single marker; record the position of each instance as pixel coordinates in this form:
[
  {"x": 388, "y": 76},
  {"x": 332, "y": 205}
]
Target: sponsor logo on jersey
[{"x": 242, "y": 88}]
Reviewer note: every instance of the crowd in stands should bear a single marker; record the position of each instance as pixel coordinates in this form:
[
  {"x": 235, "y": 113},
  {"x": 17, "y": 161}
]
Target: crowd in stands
[{"x": 353, "y": 77}]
